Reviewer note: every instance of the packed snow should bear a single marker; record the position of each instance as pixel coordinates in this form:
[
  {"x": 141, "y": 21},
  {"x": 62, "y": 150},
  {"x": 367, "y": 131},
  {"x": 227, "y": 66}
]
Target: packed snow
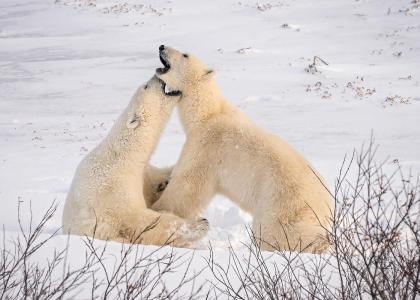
[{"x": 323, "y": 75}]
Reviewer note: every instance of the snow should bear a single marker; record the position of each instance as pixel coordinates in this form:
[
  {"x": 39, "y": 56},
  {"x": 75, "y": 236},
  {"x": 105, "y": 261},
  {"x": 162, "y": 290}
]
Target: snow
[{"x": 67, "y": 69}]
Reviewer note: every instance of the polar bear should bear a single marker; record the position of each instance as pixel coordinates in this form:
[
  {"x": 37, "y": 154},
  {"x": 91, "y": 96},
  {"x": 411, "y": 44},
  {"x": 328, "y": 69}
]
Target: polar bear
[
  {"x": 107, "y": 198},
  {"x": 226, "y": 153}
]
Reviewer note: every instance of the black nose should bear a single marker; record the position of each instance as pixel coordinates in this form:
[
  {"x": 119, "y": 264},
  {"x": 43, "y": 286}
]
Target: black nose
[{"x": 161, "y": 48}]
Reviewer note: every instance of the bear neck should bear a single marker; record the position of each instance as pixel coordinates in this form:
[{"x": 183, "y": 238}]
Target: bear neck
[
  {"x": 136, "y": 145},
  {"x": 200, "y": 101}
]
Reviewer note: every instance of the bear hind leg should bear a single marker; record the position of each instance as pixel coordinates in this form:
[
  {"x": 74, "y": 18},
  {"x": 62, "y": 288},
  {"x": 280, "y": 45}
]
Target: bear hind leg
[{"x": 299, "y": 236}]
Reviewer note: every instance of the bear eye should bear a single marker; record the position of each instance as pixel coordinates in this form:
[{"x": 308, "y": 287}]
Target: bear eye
[
  {"x": 145, "y": 87},
  {"x": 185, "y": 55}
]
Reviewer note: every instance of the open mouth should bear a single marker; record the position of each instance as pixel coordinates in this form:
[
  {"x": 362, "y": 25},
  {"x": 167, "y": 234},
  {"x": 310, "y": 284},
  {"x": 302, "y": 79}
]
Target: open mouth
[
  {"x": 167, "y": 91},
  {"x": 165, "y": 63}
]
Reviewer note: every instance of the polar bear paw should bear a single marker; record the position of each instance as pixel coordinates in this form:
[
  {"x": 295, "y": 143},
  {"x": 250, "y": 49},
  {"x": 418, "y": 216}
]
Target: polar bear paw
[
  {"x": 162, "y": 186},
  {"x": 194, "y": 230},
  {"x": 202, "y": 224}
]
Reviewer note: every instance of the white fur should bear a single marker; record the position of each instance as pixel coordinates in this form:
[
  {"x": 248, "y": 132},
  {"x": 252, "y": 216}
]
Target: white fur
[
  {"x": 107, "y": 198},
  {"x": 226, "y": 153}
]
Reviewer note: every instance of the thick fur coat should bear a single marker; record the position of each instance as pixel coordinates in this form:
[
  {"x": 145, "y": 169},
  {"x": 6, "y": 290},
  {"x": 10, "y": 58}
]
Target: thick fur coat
[
  {"x": 226, "y": 153},
  {"x": 114, "y": 186}
]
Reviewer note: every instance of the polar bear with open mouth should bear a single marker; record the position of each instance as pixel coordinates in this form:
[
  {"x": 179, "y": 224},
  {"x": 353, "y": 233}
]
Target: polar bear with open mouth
[
  {"x": 226, "y": 153},
  {"x": 114, "y": 186}
]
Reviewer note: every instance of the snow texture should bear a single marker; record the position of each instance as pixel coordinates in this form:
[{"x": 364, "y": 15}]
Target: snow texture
[{"x": 69, "y": 67}]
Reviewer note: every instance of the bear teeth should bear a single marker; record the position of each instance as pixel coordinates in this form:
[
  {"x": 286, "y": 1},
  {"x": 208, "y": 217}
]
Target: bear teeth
[
  {"x": 170, "y": 92},
  {"x": 167, "y": 90}
]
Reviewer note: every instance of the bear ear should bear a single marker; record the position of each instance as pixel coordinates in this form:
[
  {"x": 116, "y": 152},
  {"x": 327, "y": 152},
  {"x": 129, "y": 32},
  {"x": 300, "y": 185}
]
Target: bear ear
[
  {"x": 132, "y": 121},
  {"x": 208, "y": 74}
]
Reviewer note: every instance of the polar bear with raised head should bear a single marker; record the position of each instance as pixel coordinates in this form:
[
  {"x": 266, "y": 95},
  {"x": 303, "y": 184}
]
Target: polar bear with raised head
[
  {"x": 114, "y": 186},
  {"x": 228, "y": 154}
]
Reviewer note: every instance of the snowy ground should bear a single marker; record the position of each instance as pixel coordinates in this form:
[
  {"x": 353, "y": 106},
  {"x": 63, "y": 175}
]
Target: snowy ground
[{"x": 67, "y": 69}]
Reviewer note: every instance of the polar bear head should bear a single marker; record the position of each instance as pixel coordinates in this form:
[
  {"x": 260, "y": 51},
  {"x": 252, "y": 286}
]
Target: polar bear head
[
  {"x": 151, "y": 98},
  {"x": 156, "y": 88},
  {"x": 180, "y": 69}
]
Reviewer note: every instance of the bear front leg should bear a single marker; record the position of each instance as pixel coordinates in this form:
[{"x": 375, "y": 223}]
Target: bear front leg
[{"x": 192, "y": 186}]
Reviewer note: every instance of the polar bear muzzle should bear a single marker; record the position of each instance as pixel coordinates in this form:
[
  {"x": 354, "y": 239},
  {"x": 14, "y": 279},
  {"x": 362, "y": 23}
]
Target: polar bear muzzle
[
  {"x": 167, "y": 91},
  {"x": 165, "y": 62},
  {"x": 166, "y": 67}
]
